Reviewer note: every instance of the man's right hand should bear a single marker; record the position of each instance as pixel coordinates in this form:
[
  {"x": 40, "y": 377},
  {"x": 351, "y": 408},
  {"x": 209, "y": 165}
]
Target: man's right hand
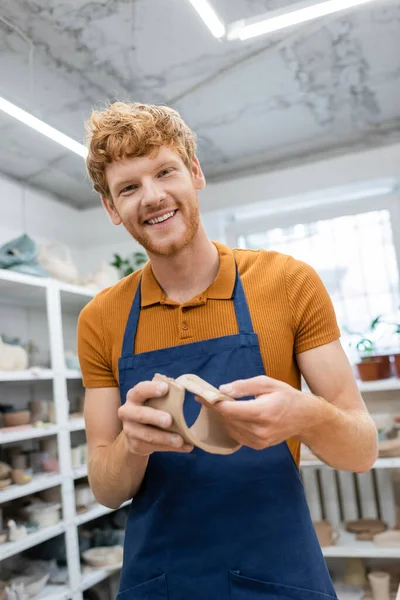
[{"x": 143, "y": 426}]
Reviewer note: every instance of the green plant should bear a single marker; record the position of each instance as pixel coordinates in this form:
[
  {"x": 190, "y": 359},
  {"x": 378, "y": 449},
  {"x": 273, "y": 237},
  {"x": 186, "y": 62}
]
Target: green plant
[
  {"x": 129, "y": 265},
  {"x": 379, "y": 319}
]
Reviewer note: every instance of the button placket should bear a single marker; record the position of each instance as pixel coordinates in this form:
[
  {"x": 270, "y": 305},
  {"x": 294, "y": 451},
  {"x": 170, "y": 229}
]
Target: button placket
[{"x": 184, "y": 326}]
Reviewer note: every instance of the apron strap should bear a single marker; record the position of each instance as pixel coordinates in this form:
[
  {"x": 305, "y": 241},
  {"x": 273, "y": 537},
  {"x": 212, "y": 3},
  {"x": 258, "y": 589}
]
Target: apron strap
[
  {"x": 131, "y": 326},
  {"x": 239, "y": 300},
  {"x": 241, "y": 307}
]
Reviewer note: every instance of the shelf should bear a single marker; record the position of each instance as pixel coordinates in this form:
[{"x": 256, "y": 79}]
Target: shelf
[
  {"x": 33, "y": 539},
  {"x": 54, "y": 592},
  {"x": 382, "y": 385},
  {"x": 93, "y": 576},
  {"x": 40, "y": 482},
  {"x": 19, "y": 434},
  {"x": 76, "y": 424},
  {"x": 381, "y": 463},
  {"x": 348, "y": 546},
  {"x": 97, "y": 510},
  {"x": 34, "y": 374},
  {"x": 74, "y": 297},
  {"x": 73, "y": 374},
  {"x": 80, "y": 472}
]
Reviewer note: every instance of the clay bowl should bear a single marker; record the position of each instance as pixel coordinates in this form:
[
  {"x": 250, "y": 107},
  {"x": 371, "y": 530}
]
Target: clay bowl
[
  {"x": 19, "y": 417},
  {"x": 365, "y": 529},
  {"x": 103, "y": 556},
  {"x": 21, "y": 476},
  {"x": 388, "y": 539},
  {"x": 4, "y": 483}
]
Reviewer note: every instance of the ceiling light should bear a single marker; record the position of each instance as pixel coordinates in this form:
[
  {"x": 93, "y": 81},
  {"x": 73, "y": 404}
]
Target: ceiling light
[
  {"x": 209, "y": 16},
  {"x": 42, "y": 127},
  {"x": 276, "y": 20}
]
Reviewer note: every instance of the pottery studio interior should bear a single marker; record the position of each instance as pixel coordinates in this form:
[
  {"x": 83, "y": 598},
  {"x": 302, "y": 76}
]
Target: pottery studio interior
[{"x": 233, "y": 165}]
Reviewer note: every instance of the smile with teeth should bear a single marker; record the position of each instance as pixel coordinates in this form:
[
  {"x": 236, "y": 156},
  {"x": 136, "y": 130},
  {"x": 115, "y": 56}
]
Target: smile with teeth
[{"x": 165, "y": 217}]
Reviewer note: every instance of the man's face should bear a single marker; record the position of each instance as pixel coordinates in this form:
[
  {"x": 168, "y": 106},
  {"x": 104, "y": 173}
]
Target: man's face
[{"x": 156, "y": 199}]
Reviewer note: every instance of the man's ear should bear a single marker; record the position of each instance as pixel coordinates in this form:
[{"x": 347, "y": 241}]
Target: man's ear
[
  {"x": 111, "y": 210},
  {"x": 197, "y": 175}
]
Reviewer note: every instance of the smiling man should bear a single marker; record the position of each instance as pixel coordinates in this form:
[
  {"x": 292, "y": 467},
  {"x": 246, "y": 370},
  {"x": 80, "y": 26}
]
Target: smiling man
[{"x": 205, "y": 526}]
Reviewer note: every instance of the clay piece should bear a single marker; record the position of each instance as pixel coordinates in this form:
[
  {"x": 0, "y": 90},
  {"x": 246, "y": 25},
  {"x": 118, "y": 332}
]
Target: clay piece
[
  {"x": 388, "y": 539},
  {"x": 380, "y": 585},
  {"x": 208, "y": 432},
  {"x": 327, "y": 535},
  {"x": 104, "y": 556},
  {"x": 365, "y": 529}
]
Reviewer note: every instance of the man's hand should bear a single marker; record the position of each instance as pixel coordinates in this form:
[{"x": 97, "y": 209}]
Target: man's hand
[
  {"x": 277, "y": 413},
  {"x": 143, "y": 426}
]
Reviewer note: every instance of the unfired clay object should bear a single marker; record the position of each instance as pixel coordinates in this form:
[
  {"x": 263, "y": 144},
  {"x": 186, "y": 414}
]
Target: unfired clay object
[
  {"x": 365, "y": 529},
  {"x": 12, "y": 358},
  {"x": 208, "y": 432},
  {"x": 380, "y": 585}
]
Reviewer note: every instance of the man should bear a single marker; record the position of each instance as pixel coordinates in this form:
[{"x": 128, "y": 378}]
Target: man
[{"x": 203, "y": 526}]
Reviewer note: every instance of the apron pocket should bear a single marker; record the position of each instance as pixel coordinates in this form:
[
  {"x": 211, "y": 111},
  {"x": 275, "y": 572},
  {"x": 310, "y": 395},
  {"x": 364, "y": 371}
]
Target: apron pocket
[
  {"x": 154, "y": 589},
  {"x": 244, "y": 588}
]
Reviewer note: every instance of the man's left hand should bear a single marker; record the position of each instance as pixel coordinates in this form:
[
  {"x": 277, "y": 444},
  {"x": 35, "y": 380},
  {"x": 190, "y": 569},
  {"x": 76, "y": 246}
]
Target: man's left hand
[{"x": 277, "y": 413}]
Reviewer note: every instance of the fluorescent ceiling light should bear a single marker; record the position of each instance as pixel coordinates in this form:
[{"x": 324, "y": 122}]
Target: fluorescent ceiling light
[
  {"x": 42, "y": 127},
  {"x": 209, "y": 16},
  {"x": 277, "y": 20}
]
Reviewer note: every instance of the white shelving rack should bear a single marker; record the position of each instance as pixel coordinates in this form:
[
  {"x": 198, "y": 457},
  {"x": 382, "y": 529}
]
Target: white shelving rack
[
  {"x": 325, "y": 488},
  {"x": 53, "y": 297}
]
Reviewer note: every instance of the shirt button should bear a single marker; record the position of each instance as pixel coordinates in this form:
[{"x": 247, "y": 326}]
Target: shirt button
[{"x": 185, "y": 326}]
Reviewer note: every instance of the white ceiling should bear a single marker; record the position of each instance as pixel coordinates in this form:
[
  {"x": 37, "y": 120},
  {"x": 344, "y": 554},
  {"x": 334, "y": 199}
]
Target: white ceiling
[{"x": 310, "y": 91}]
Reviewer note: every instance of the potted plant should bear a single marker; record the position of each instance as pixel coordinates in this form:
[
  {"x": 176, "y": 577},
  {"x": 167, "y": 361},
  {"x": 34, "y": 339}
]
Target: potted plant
[
  {"x": 396, "y": 330},
  {"x": 372, "y": 366},
  {"x": 126, "y": 266}
]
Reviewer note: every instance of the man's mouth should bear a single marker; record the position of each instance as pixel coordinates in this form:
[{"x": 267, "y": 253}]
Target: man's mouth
[{"x": 161, "y": 219}]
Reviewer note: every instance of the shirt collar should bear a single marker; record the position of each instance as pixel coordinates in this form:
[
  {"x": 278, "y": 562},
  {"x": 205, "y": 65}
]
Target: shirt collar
[{"x": 220, "y": 289}]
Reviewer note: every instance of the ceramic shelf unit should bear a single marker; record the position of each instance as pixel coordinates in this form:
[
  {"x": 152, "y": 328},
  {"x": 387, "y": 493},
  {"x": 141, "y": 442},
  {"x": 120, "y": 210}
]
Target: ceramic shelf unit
[
  {"x": 27, "y": 433},
  {"x": 28, "y": 375},
  {"x": 77, "y": 424},
  {"x": 94, "y": 512},
  {"x": 381, "y": 463}
]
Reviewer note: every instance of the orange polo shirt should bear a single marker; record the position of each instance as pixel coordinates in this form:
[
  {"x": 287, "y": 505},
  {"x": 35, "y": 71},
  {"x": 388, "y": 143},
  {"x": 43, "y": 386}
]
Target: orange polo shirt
[{"x": 289, "y": 306}]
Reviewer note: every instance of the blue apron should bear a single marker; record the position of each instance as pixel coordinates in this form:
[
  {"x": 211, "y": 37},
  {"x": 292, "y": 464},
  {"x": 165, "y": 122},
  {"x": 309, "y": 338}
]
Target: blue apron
[{"x": 212, "y": 527}]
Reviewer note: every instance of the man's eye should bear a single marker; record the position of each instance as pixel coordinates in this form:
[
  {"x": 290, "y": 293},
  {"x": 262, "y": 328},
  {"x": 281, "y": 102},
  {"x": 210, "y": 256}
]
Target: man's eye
[
  {"x": 164, "y": 172},
  {"x": 129, "y": 188}
]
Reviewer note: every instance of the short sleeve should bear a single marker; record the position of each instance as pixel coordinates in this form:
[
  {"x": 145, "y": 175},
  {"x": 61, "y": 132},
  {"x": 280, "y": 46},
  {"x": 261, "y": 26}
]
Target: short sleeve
[
  {"x": 95, "y": 366},
  {"x": 313, "y": 316}
]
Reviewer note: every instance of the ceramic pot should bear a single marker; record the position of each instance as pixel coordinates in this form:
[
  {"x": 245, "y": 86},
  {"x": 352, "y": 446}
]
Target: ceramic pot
[
  {"x": 76, "y": 456},
  {"x": 380, "y": 585},
  {"x": 43, "y": 514},
  {"x": 83, "y": 495},
  {"x": 19, "y": 461},
  {"x": 355, "y": 572},
  {"x": 388, "y": 539},
  {"x": 19, "y": 417},
  {"x": 103, "y": 556},
  {"x": 389, "y": 448},
  {"x": 327, "y": 535},
  {"x": 374, "y": 368},
  {"x": 365, "y": 529},
  {"x": 39, "y": 410},
  {"x": 12, "y": 358},
  {"x": 21, "y": 476}
]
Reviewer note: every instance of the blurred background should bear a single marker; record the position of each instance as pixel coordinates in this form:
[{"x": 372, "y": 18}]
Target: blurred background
[{"x": 297, "y": 112}]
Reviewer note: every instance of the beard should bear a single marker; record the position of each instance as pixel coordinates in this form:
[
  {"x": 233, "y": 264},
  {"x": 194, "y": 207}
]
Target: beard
[{"x": 191, "y": 217}]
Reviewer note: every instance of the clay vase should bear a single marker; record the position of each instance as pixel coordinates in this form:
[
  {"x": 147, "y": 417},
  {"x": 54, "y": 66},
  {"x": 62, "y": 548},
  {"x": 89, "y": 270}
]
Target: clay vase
[
  {"x": 380, "y": 585},
  {"x": 355, "y": 572}
]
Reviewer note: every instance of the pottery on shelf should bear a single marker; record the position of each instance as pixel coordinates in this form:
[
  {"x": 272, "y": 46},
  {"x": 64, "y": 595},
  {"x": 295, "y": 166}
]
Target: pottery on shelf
[
  {"x": 57, "y": 260},
  {"x": 388, "y": 539},
  {"x": 365, "y": 529},
  {"x": 327, "y": 535},
  {"x": 389, "y": 448},
  {"x": 16, "y": 532},
  {"x": 4, "y": 483},
  {"x": 12, "y": 358},
  {"x": 106, "y": 556},
  {"x": 33, "y": 584},
  {"x": 44, "y": 514},
  {"x": 21, "y": 476},
  {"x": 355, "y": 573},
  {"x": 380, "y": 585},
  {"x": 5, "y": 470},
  {"x": 17, "y": 418}
]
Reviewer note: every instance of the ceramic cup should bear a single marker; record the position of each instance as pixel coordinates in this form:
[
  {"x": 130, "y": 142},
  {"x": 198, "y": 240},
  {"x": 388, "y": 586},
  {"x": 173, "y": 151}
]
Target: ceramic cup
[{"x": 326, "y": 533}]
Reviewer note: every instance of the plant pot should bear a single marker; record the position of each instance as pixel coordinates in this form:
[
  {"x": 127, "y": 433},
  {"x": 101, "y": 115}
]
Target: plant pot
[
  {"x": 397, "y": 364},
  {"x": 374, "y": 368}
]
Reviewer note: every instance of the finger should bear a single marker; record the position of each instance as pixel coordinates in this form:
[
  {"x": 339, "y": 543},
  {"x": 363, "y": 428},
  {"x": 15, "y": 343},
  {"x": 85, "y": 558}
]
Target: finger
[
  {"x": 144, "y": 414},
  {"x": 145, "y": 390},
  {"x": 144, "y": 449},
  {"x": 153, "y": 436},
  {"x": 252, "y": 387},
  {"x": 250, "y": 411}
]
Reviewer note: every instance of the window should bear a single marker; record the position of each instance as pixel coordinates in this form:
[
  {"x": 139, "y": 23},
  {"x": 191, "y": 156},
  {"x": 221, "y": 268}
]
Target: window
[{"x": 356, "y": 259}]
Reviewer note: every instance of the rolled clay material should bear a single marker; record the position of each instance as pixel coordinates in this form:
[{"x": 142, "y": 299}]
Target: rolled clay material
[{"x": 208, "y": 432}]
